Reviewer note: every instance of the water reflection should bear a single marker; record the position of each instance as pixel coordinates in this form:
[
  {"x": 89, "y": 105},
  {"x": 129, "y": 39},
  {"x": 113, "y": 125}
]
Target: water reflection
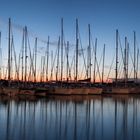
[{"x": 67, "y": 118}]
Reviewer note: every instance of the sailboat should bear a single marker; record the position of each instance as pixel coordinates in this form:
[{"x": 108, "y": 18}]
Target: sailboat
[
  {"x": 123, "y": 86},
  {"x": 76, "y": 88}
]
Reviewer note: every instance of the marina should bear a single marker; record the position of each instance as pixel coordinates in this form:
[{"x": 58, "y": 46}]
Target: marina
[
  {"x": 69, "y": 70},
  {"x": 22, "y": 78}
]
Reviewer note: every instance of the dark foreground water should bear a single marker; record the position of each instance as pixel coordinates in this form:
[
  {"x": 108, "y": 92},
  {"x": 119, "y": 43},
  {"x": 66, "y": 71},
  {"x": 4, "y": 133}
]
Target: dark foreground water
[{"x": 70, "y": 118}]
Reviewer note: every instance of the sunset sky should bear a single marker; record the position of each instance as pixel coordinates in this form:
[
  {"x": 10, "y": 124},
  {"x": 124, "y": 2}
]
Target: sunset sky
[{"x": 42, "y": 17}]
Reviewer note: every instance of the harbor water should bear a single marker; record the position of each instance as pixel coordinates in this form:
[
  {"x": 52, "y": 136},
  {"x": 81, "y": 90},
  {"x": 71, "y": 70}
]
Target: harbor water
[{"x": 70, "y": 118}]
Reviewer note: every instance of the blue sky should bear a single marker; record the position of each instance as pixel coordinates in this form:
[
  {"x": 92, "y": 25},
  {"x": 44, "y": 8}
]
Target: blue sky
[
  {"x": 43, "y": 16},
  {"x": 105, "y": 16}
]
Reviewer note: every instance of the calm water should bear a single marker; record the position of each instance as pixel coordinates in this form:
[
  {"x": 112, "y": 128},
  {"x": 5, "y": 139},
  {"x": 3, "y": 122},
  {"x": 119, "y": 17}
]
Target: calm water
[{"x": 70, "y": 118}]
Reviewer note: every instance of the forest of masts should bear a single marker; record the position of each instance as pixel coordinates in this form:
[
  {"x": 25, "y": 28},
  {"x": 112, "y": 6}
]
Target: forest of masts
[{"x": 59, "y": 65}]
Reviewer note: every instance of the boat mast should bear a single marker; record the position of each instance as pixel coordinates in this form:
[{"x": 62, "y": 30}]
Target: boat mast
[
  {"x": 15, "y": 59},
  {"x": 0, "y": 58},
  {"x": 15, "y": 73},
  {"x": 117, "y": 39},
  {"x": 94, "y": 72},
  {"x": 43, "y": 65},
  {"x": 47, "y": 65},
  {"x": 125, "y": 62},
  {"x": 76, "y": 59},
  {"x": 25, "y": 76},
  {"x": 35, "y": 58},
  {"x": 134, "y": 56},
  {"x": 41, "y": 75},
  {"x": 11, "y": 57},
  {"x": 62, "y": 38},
  {"x": 22, "y": 71},
  {"x": 57, "y": 67},
  {"x": 89, "y": 55},
  {"x": 12, "y": 45},
  {"x": 51, "y": 78},
  {"x": 137, "y": 64},
  {"x": 67, "y": 50},
  {"x": 9, "y": 51},
  {"x": 103, "y": 64},
  {"x": 127, "y": 58}
]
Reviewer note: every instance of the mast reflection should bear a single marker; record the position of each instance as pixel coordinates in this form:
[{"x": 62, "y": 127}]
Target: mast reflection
[{"x": 78, "y": 118}]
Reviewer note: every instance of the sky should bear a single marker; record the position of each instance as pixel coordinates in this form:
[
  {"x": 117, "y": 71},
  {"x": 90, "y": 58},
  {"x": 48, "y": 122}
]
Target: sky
[{"x": 42, "y": 17}]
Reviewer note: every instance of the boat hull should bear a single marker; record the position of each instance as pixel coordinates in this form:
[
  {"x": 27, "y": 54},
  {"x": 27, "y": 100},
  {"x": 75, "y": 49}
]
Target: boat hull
[
  {"x": 26, "y": 92},
  {"x": 10, "y": 91},
  {"x": 122, "y": 90},
  {"x": 75, "y": 91}
]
